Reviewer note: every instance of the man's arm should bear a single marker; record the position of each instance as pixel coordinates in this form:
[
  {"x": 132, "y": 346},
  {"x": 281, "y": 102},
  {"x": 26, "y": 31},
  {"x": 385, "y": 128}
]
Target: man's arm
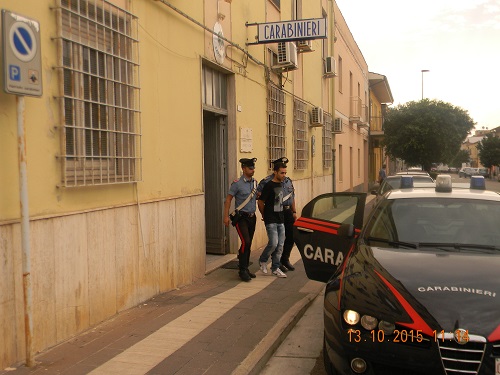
[
  {"x": 227, "y": 205},
  {"x": 261, "y": 204}
]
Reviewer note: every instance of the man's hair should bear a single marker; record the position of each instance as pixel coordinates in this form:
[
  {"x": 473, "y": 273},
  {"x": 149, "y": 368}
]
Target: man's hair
[{"x": 277, "y": 166}]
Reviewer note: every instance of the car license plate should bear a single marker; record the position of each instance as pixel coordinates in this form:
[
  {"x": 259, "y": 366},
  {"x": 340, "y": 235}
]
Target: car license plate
[{"x": 497, "y": 366}]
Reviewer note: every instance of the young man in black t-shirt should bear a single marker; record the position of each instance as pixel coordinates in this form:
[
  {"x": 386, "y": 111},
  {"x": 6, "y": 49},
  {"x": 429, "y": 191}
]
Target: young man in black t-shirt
[{"x": 270, "y": 205}]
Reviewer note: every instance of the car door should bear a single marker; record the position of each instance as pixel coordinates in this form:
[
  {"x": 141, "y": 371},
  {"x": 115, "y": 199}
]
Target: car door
[{"x": 316, "y": 232}]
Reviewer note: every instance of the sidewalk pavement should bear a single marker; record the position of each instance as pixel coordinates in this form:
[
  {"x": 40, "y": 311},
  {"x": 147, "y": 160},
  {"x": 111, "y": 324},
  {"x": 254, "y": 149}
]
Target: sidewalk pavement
[{"x": 217, "y": 325}]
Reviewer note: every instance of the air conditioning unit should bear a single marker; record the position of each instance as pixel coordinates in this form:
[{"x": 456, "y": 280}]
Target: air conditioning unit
[
  {"x": 304, "y": 46},
  {"x": 337, "y": 125},
  {"x": 330, "y": 68},
  {"x": 317, "y": 116},
  {"x": 287, "y": 55}
]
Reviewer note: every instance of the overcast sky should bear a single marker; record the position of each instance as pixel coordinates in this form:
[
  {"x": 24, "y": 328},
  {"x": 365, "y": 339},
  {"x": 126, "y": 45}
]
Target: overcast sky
[{"x": 458, "y": 41}]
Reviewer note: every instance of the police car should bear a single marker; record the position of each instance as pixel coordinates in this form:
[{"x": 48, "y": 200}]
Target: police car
[{"x": 417, "y": 290}]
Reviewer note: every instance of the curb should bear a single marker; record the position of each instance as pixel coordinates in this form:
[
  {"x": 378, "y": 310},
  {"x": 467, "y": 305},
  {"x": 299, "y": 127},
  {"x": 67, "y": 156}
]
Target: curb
[{"x": 264, "y": 350}]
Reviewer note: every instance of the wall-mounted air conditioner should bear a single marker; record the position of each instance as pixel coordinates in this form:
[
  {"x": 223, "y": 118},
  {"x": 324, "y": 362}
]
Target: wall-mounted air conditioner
[
  {"x": 287, "y": 55},
  {"x": 330, "y": 67},
  {"x": 337, "y": 125},
  {"x": 304, "y": 46},
  {"x": 317, "y": 116}
]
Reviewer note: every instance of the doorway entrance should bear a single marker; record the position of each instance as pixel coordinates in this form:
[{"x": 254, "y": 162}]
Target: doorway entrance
[{"x": 215, "y": 172}]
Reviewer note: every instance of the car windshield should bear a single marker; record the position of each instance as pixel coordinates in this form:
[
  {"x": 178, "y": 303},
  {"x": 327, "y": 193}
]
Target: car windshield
[{"x": 454, "y": 224}]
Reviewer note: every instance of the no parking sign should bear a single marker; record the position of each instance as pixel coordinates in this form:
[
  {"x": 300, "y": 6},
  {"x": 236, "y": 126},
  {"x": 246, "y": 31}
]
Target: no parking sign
[{"x": 21, "y": 55}]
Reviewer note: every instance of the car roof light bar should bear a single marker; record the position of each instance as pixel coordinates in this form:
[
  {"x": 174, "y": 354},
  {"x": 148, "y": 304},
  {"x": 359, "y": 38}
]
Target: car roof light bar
[
  {"x": 443, "y": 183},
  {"x": 477, "y": 183},
  {"x": 406, "y": 182}
]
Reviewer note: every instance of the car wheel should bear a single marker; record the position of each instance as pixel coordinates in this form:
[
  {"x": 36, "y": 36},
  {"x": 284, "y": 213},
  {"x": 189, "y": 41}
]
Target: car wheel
[{"x": 326, "y": 360}]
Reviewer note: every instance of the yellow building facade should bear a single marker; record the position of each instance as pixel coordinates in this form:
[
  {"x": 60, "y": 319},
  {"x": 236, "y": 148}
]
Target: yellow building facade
[{"x": 147, "y": 107}]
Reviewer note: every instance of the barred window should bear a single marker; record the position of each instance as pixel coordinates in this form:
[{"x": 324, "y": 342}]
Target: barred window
[
  {"x": 327, "y": 141},
  {"x": 276, "y": 122},
  {"x": 300, "y": 143},
  {"x": 99, "y": 93}
]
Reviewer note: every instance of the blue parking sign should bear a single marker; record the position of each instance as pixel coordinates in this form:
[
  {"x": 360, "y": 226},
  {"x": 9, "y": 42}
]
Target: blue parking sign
[
  {"x": 21, "y": 55},
  {"x": 14, "y": 72}
]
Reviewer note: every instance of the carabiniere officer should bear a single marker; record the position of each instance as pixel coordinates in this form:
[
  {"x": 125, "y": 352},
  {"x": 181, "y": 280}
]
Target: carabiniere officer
[{"x": 240, "y": 189}]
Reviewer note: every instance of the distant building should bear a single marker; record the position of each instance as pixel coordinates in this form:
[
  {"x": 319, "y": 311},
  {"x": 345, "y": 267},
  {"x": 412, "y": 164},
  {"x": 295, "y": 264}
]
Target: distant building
[{"x": 470, "y": 144}]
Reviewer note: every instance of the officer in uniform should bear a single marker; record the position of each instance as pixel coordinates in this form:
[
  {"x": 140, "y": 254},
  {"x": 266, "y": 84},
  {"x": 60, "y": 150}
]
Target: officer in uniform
[
  {"x": 290, "y": 214},
  {"x": 241, "y": 189}
]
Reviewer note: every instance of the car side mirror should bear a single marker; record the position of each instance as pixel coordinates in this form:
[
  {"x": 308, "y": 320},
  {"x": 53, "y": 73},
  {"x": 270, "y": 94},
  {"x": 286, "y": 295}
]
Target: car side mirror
[{"x": 346, "y": 230}]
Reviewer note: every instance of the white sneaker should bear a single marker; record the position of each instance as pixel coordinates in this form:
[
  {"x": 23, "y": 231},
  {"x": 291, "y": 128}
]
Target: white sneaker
[
  {"x": 278, "y": 273},
  {"x": 263, "y": 267}
]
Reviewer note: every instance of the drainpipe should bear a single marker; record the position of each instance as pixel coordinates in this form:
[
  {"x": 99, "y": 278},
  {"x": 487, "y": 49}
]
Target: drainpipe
[
  {"x": 332, "y": 89},
  {"x": 25, "y": 232}
]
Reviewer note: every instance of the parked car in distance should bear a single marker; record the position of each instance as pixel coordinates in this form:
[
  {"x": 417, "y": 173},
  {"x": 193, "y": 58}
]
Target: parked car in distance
[
  {"x": 484, "y": 172},
  {"x": 413, "y": 173},
  {"x": 394, "y": 182},
  {"x": 468, "y": 171}
]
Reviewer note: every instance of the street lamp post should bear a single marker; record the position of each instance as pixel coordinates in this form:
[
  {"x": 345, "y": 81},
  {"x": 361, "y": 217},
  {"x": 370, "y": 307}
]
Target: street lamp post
[{"x": 423, "y": 71}]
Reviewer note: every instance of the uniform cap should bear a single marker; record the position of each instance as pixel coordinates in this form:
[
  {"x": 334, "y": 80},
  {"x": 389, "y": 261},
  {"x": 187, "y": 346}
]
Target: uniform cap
[
  {"x": 283, "y": 160},
  {"x": 248, "y": 162}
]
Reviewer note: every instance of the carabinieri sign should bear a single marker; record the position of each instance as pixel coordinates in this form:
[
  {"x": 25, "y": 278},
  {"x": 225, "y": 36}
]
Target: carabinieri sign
[{"x": 272, "y": 32}]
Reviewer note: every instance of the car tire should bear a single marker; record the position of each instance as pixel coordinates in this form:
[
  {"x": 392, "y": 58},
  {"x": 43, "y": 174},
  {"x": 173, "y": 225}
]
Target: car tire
[{"x": 326, "y": 360}]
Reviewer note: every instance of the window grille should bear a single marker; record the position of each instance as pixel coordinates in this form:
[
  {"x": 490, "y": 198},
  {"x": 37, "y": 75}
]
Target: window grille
[
  {"x": 214, "y": 90},
  {"x": 327, "y": 141},
  {"x": 276, "y": 122},
  {"x": 301, "y": 149},
  {"x": 99, "y": 71}
]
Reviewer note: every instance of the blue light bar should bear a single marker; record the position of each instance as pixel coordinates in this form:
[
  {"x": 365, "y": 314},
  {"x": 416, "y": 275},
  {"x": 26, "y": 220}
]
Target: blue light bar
[
  {"x": 477, "y": 182},
  {"x": 406, "y": 182}
]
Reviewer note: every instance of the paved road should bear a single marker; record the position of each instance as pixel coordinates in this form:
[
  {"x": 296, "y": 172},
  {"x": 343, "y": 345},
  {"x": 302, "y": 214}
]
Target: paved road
[{"x": 301, "y": 352}]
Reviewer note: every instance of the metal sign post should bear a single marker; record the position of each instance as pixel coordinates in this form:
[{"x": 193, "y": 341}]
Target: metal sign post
[{"x": 22, "y": 76}]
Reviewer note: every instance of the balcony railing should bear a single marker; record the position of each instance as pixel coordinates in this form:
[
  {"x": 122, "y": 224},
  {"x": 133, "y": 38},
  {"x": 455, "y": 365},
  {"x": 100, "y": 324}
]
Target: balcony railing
[
  {"x": 358, "y": 111},
  {"x": 376, "y": 124}
]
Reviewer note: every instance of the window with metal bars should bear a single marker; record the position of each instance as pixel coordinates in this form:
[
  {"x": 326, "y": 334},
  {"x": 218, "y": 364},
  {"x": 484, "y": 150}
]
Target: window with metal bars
[
  {"x": 276, "y": 123},
  {"x": 301, "y": 150},
  {"x": 327, "y": 141},
  {"x": 99, "y": 93}
]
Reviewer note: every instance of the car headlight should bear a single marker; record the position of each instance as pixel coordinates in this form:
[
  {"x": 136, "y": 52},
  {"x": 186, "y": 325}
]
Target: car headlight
[
  {"x": 386, "y": 327},
  {"x": 351, "y": 317},
  {"x": 369, "y": 322}
]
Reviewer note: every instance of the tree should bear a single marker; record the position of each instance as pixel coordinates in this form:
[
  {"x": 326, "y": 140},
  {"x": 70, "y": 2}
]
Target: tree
[
  {"x": 489, "y": 151},
  {"x": 462, "y": 156},
  {"x": 426, "y": 131}
]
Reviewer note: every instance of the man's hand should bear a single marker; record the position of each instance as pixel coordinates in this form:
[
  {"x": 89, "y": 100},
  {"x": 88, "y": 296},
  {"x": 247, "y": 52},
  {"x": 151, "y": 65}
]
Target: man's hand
[{"x": 226, "y": 221}]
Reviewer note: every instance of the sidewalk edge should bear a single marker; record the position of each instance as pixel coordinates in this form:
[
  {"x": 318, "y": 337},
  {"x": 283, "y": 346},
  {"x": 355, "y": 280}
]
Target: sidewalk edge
[{"x": 264, "y": 350}]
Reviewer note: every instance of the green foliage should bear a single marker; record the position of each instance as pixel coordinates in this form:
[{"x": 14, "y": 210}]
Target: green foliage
[
  {"x": 489, "y": 151},
  {"x": 426, "y": 131},
  {"x": 462, "y": 156}
]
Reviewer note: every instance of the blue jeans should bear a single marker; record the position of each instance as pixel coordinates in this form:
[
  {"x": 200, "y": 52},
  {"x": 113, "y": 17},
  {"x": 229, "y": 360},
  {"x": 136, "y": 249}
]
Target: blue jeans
[{"x": 276, "y": 236}]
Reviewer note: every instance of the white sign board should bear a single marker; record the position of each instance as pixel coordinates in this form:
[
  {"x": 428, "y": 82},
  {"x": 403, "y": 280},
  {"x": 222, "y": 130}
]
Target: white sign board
[
  {"x": 246, "y": 139},
  {"x": 22, "y": 62},
  {"x": 272, "y": 32}
]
